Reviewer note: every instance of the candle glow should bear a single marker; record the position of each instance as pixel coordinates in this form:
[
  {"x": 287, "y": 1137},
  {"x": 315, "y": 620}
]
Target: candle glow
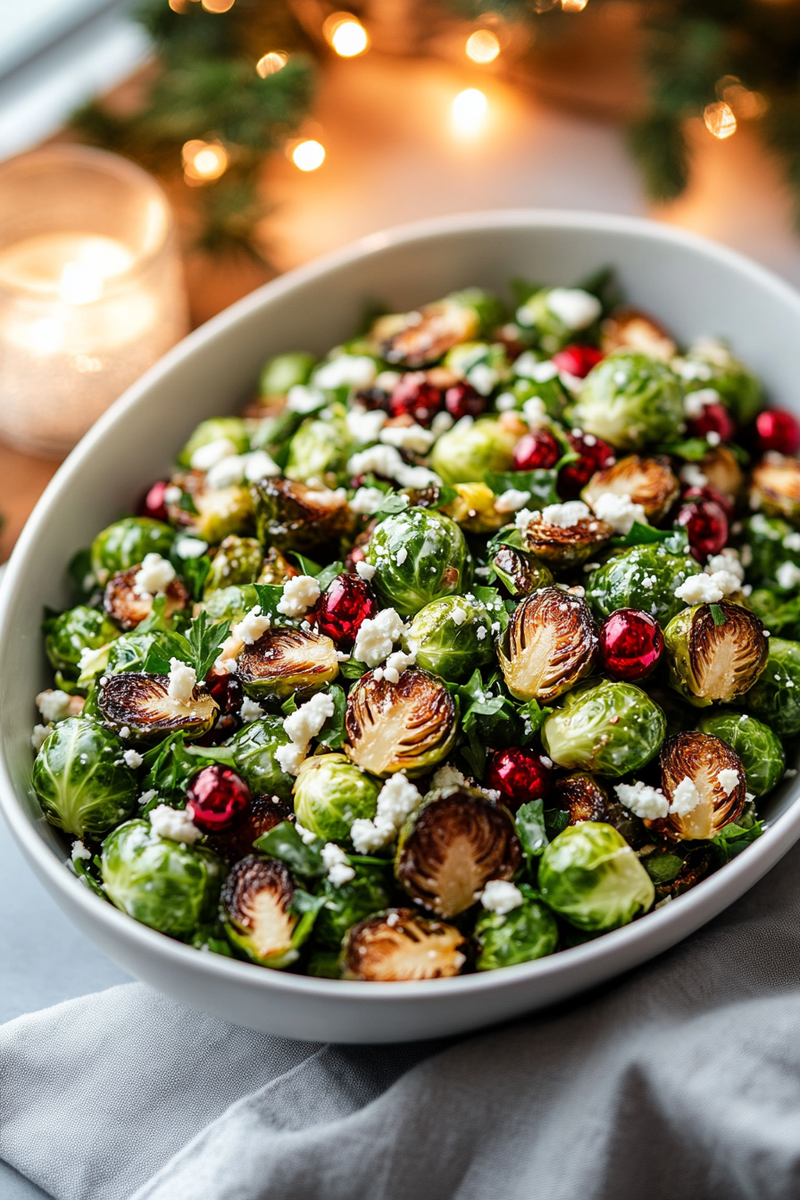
[{"x": 469, "y": 110}]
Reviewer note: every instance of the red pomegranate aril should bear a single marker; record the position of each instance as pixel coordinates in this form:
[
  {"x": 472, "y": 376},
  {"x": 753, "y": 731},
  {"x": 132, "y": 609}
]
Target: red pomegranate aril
[
  {"x": 535, "y": 450},
  {"x": 153, "y": 505},
  {"x": 778, "y": 430},
  {"x": 631, "y": 643},
  {"x": 593, "y": 455},
  {"x": 228, "y": 692},
  {"x": 715, "y": 420},
  {"x": 343, "y": 607},
  {"x": 461, "y": 400},
  {"x": 577, "y": 360},
  {"x": 415, "y": 397},
  {"x": 215, "y": 797},
  {"x": 707, "y": 492},
  {"x": 518, "y": 775},
  {"x": 706, "y": 526}
]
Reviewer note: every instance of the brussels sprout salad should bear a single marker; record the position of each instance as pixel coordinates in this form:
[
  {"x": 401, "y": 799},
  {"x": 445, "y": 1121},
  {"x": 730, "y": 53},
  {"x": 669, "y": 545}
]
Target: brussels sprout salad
[{"x": 472, "y": 641}]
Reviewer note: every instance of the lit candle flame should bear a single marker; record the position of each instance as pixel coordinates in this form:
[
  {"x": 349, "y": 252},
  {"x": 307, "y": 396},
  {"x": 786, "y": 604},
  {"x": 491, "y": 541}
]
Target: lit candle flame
[
  {"x": 203, "y": 162},
  {"x": 307, "y": 154},
  {"x": 270, "y": 64},
  {"x": 482, "y": 46},
  {"x": 469, "y": 110},
  {"x": 345, "y": 34},
  {"x": 720, "y": 119}
]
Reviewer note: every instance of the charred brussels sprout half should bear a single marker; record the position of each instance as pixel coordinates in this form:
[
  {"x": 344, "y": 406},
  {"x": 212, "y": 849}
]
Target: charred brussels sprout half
[
  {"x": 232, "y": 430},
  {"x": 715, "y": 652},
  {"x": 254, "y": 749},
  {"x": 775, "y": 698},
  {"x": 522, "y": 935},
  {"x": 650, "y": 482},
  {"x": 407, "y": 726},
  {"x": 590, "y": 876},
  {"x": 630, "y": 400},
  {"x": 519, "y": 572},
  {"x": 236, "y": 563},
  {"x": 83, "y": 783},
  {"x": 608, "y": 728},
  {"x": 632, "y": 329},
  {"x": 164, "y": 884},
  {"x": 330, "y": 793},
  {"x": 550, "y": 645},
  {"x": 419, "y": 556},
  {"x": 398, "y": 945},
  {"x": 704, "y": 782},
  {"x": 256, "y": 908},
  {"x": 582, "y": 798},
  {"x": 141, "y": 703},
  {"x": 451, "y": 637},
  {"x": 563, "y": 547},
  {"x": 450, "y": 849},
  {"x": 643, "y": 577},
  {"x": 287, "y": 662},
  {"x": 128, "y": 605},
  {"x": 776, "y": 487},
  {"x": 125, "y": 544},
  {"x": 710, "y": 364},
  {"x": 759, "y": 749},
  {"x": 68, "y": 635},
  {"x": 348, "y": 903},
  {"x": 291, "y": 516},
  {"x": 417, "y": 338},
  {"x": 470, "y": 448}
]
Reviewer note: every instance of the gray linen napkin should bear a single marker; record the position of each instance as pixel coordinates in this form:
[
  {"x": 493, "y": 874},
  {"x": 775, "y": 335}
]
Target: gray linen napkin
[{"x": 680, "y": 1079}]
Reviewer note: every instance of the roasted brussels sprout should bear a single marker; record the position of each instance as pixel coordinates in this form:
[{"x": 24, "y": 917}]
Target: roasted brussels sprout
[
  {"x": 417, "y": 338},
  {"x": 722, "y": 471},
  {"x": 474, "y": 508},
  {"x": 470, "y": 448},
  {"x": 407, "y": 726},
  {"x": 520, "y": 572},
  {"x": 557, "y": 314},
  {"x": 254, "y": 749},
  {"x": 125, "y": 544},
  {"x": 676, "y": 873},
  {"x": 775, "y": 486},
  {"x": 142, "y": 704},
  {"x": 758, "y": 748},
  {"x": 164, "y": 884},
  {"x": 398, "y": 944},
  {"x": 769, "y": 542},
  {"x": 565, "y": 546},
  {"x": 287, "y": 662},
  {"x": 285, "y": 371},
  {"x": 84, "y": 785},
  {"x": 236, "y": 563},
  {"x": 216, "y": 431},
  {"x": 643, "y": 577},
  {"x": 632, "y": 329},
  {"x": 550, "y": 645},
  {"x": 235, "y": 841},
  {"x": 419, "y": 555},
  {"x": 452, "y": 846},
  {"x": 276, "y": 568},
  {"x": 703, "y": 781},
  {"x": 319, "y": 451},
  {"x": 583, "y": 799},
  {"x": 291, "y": 516},
  {"x": 212, "y": 513},
  {"x": 256, "y": 906},
  {"x": 650, "y": 482},
  {"x": 775, "y": 698},
  {"x": 72, "y": 632},
  {"x": 129, "y": 605},
  {"x": 348, "y": 903},
  {"x": 710, "y": 364},
  {"x": 715, "y": 652},
  {"x": 527, "y": 932},
  {"x": 230, "y": 603},
  {"x": 451, "y": 637},
  {"x": 608, "y": 728},
  {"x": 590, "y": 876},
  {"x": 630, "y": 400},
  {"x": 330, "y": 793}
]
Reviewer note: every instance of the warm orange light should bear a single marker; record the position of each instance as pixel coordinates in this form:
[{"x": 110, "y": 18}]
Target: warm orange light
[
  {"x": 469, "y": 110},
  {"x": 482, "y": 46},
  {"x": 573, "y": 5},
  {"x": 217, "y": 6},
  {"x": 307, "y": 155},
  {"x": 720, "y": 119},
  {"x": 271, "y": 63},
  {"x": 203, "y": 162},
  {"x": 345, "y": 34},
  {"x": 747, "y": 105}
]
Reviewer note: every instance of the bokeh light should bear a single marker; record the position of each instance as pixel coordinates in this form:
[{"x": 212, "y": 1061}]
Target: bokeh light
[
  {"x": 469, "y": 111},
  {"x": 270, "y": 64},
  {"x": 307, "y": 154},
  {"x": 203, "y": 162},
  {"x": 482, "y": 46},
  {"x": 720, "y": 119},
  {"x": 573, "y": 5},
  {"x": 217, "y": 6},
  {"x": 345, "y": 34}
]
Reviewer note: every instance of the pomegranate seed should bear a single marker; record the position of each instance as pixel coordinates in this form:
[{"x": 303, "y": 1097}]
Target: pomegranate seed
[
  {"x": 707, "y": 492},
  {"x": 706, "y": 525},
  {"x": 415, "y": 397},
  {"x": 518, "y": 775},
  {"x": 461, "y": 400},
  {"x": 778, "y": 430},
  {"x": 631, "y": 643},
  {"x": 340, "y": 611},
  {"x": 215, "y": 797},
  {"x": 577, "y": 360},
  {"x": 535, "y": 450},
  {"x": 714, "y": 420},
  {"x": 593, "y": 455},
  {"x": 153, "y": 504}
]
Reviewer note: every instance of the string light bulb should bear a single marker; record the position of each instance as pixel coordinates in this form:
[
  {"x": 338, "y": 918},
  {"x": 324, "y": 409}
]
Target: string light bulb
[
  {"x": 270, "y": 64},
  {"x": 306, "y": 154},
  {"x": 482, "y": 46},
  {"x": 345, "y": 34},
  {"x": 203, "y": 162},
  {"x": 573, "y": 5},
  {"x": 469, "y": 110},
  {"x": 720, "y": 120}
]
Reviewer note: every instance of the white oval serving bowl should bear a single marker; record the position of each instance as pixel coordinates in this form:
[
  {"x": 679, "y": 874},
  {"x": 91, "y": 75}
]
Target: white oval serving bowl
[{"x": 694, "y": 286}]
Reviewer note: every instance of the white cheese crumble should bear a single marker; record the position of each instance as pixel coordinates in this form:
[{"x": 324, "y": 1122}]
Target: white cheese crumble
[
  {"x": 500, "y": 896},
  {"x": 301, "y": 726},
  {"x": 376, "y": 637},
  {"x": 133, "y": 758},
  {"x": 441, "y": 423},
  {"x": 727, "y": 560},
  {"x": 206, "y": 457},
  {"x": 226, "y": 473},
  {"x": 303, "y": 399},
  {"x": 250, "y": 710},
  {"x": 182, "y": 680},
  {"x": 38, "y": 736},
  {"x": 259, "y": 465},
  {"x": 695, "y": 402},
  {"x": 366, "y": 501},
  {"x": 394, "y": 666},
  {"x": 574, "y": 307},
  {"x": 619, "y": 511},
  {"x": 564, "y": 516},
  {"x": 252, "y": 626},
  {"x": 146, "y": 797},
  {"x": 365, "y": 571},
  {"x": 646, "y": 802},
  {"x": 708, "y": 589},
  {"x": 335, "y": 862},
  {"x": 693, "y": 476},
  {"x": 364, "y": 425},
  {"x": 53, "y": 705},
  {"x": 397, "y": 800},
  {"x": 788, "y": 575},
  {"x": 190, "y": 547},
  {"x": 174, "y": 824},
  {"x": 729, "y": 779},
  {"x": 401, "y": 556},
  {"x": 535, "y": 413},
  {"x": 505, "y": 402},
  {"x": 346, "y": 370},
  {"x": 307, "y": 836},
  {"x": 483, "y": 378},
  {"x": 528, "y": 366},
  {"x": 299, "y": 594},
  {"x": 459, "y": 615},
  {"x": 387, "y": 462},
  {"x": 154, "y": 575},
  {"x": 791, "y": 541},
  {"x": 291, "y": 757},
  {"x": 685, "y": 798},
  {"x": 411, "y": 438},
  {"x": 80, "y": 851},
  {"x": 511, "y": 500}
]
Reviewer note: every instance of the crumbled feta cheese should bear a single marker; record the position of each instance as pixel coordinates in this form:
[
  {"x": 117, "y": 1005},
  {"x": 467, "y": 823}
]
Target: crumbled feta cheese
[
  {"x": 253, "y": 625},
  {"x": 250, "y": 710},
  {"x": 368, "y": 836},
  {"x": 500, "y": 896},
  {"x": 366, "y": 501},
  {"x": 335, "y": 862},
  {"x": 226, "y": 473},
  {"x": 564, "y": 516},
  {"x": 175, "y": 824},
  {"x": 574, "y": 307},
  {"x": 695, "y": 402},
  {"x": 207, "y": 456},
  {"x": 685, "y": 798},
  {"x": 713, "y": 438},
  {"x": 729, "y": 779},
  {"x": 259, "y": 465},
  {"x": 413, "y": 439},
  {"x": 190, "y": 547},
  {"x": 376, "y": 637},
  {"x": 788, "y": 575},
  {"x": 40, "y": 732},
  {"x": 528, "y": 366},
  {"x": 299, "y": 594},
  {"x": 511, "y": 500},
  {"x": 480, "y": 633},
  {"x": 401, "y": 556},
  {"x": 535, "y": 413},
  {"x": 80, "y": 851},
  {"x": 365, "y": 571},
  {"x": 727, "y": 560},
  {"x": 146, "y": 797},
  {"x": 791, "y": 541},
  {"x": 182, "y": 680},
  {"x": 387, "y": 381},
  {"x": 707, "y": 589},
  {"x": 505, "y": 402},
  {"x": 483, "y": 378},
  {"x": 53, "y": 705},
  {"x": 693, "y": 476},
  {"x": 307, "y": 836},
  {"x": 397, "y": 800},
  {"x": 303, "y": 399},
  {"x": 386, "y": 461},
  {"x": 364, "y": 425},
  {"x": 154, "y": 575},
  {"x": 331, "y": 498},
  {"x": 449, "y": 776},
  {"x": 346, "y": 370},
  {"x": 546, "y": 762},
  {"x": 619, "y": 511},
  {"x": 394, "y": 666},
  {"x": 459, "y": 615},
  {"x": 306, "y": 722},
  {"x": 172, "y": 495},
  {"x": 441, "y": 423},
  {"x": 291, "y": 757},
  {"x": 133, "y": 758},
  {"x": 646, "y": 802}
]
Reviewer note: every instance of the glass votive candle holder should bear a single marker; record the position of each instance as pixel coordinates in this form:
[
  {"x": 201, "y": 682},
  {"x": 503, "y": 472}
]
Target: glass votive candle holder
[{"x": 91, "y": 290}]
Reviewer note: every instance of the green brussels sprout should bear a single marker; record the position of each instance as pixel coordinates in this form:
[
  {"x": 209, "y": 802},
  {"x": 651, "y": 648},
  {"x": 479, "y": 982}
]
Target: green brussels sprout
[
  {"x": 72, "y": 632},
  {"x": 254, "y": 749},
  {"x": 129, "y": 652},
  {"x": 285, "y": 371},
  {"x": 83, "y": 783},
  {"x": 420, "y": 555},
  {"x": 643, "y": 577},
  {"x": 221, "y": 512},
  {"x": 710, "y": 364},
  {"x": 330, "y": 793},
  {"x": 767, "y": 543},
  {"x": 230, "y": 603},
  {"x": 590, "y": 876},
  {"x": 417, "y": 338},
  {"x": 470, "y": 448},
  {"x": 775, "y": 699},
  {"x": 775, "y": 486},
  {"x": 257, "y": 907},
  {"x": 141, "y": 703},
  {"x": 527, "y": 932},
  {"x": 609, "y": 728},
  {"x": 551, "y": 393},
  {"x": 550, "y": 644},
  {"x": 125, "y": 543},
  {"x": 759, "y": 749},
  {"x": 483, "y": 364},
  {"x": 557, "y": 314},
  {"x": 715, "y": 652},
  {"x": 474, "y": 508},
  {"x": 348, "y": 903},
  {"x": 236, "y": 563},
  {"x": 451, "y": 637},
  {"x": 779, "y": 613},
  {"x": 216, "y": 429},
  {"x": 290, "y": 516},
  {"x": 630, "y": 400},
  {"x": 164, "y": 884},
  {"x": 319, "y": 451}
]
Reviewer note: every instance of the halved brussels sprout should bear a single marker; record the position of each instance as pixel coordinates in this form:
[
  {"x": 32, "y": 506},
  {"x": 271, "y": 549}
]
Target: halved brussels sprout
[
  {"x": 775, "y": 486},
  {"x": 590, "y": 876},
  {"x": 705, "y": 784},
  {"x": 451, "y": 637},
  {"x": 72, "y": 632},
  {"x": 563, "y": 547},
  {"x": 262, "y": 814},
  {"x": 630, "y": 400},
  {"x": 216, "y": 429},
  {"x": 141, "y": 703},
  {"x": 230, "y": 603},
  {"x": 125, "y": 544},
  {"x": 417, "y": 338},
  {"x": 254, "y": 749},
  {"x": 276, "y": 569},
  {"x": 129, "y": 606},
  {"x": 470, "y": 448},
  {"x": 710, "y": 364},
  {"x": 609, "y": 728},
  {"x": 285, "y": 371},
  {"x": 420, "y": 555},
  {"x": 407, "y": 726},
  {"x": 256, "y": 907},
  {"x": 582, "y": 797},
  {"x": 520, "y": 572},
  {"x": 759, "y": 749},
  {"x": 643, "y": 577},
  {"x": 775, "y": 699},
  {"x": 330, "y": 793},
  {"x": 236, "y": 563},
  {"x": 474, "y": 508},
  {"x": 287, "y": 662},
  {"x": 398, "y": 945},
  {"x": 164, "y": 884},
  {"x": 550, "y": 644},
  {"x": 650, "y": 482},
  {"x": 319, "y": 451},
  {"x": 452, "y": 846},
  {"x": 711, "y": 659},
  {"x": 291, "y": 516},
  {"x": 723, "y": 472},
  {"x": 84, "y": 785},
  {"x": 522, "y": 935},
  {"x": 348, "y": 903},
  {"x": 697, "y": 862},
  {"x": 632, "y": 329}
]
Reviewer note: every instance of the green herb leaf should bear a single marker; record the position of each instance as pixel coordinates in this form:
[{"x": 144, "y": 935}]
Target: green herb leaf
[
  {"x": 718, "y": 615},
  {"x": 194, "y": 572},
  {"x": 662, "y": 868},
  {"x": 332, "y": 732},
  {"x": 205, "y": 641},
  {"x": 555, "y": 820},
  {"x": 540, "y": 483},
  {"x": 352, "y": 669},
  {"x": 531, "y": 828},
  {"x": 269, "y": 596},
  {"x": 284, "y": 843},
  {"x": 534, "y": 717},
  {"x": 733, "y": 839},
  {"x": 307, "y": 565},
  {"x": 392, "y": 504},
  {"x": 304, "y": 902},
  {"x": 643, "y": 535},
  {"x": 329, "y": 573}
]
